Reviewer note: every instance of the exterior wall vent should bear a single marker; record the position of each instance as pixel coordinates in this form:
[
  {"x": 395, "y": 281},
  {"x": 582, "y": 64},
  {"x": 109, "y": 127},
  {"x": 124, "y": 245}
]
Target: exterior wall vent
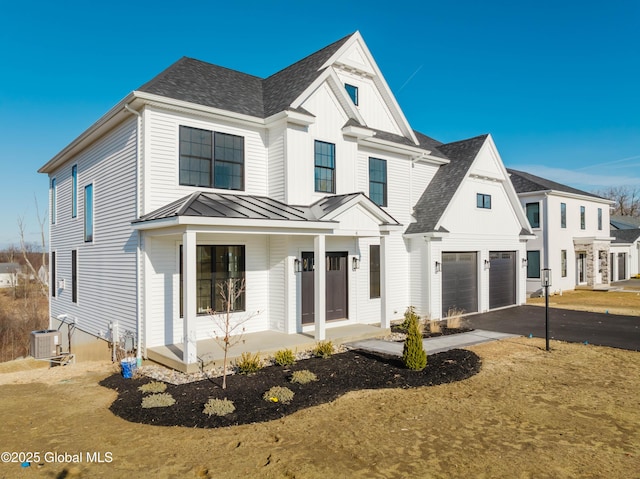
[{"x": 45, "y": 344}]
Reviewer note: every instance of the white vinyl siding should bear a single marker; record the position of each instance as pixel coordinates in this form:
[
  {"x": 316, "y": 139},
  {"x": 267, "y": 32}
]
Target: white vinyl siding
[{"x": 106, "y": 267}]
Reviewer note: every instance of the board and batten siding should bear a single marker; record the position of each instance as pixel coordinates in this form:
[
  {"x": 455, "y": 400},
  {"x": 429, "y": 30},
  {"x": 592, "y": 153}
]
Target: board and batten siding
[
  {"x": 162, "y": 162},
  {"x": 107, "y": 275}
]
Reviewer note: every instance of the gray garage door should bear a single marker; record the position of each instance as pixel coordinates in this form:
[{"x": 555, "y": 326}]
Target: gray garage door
[
  {"x": 502, "y": 279},
  {"x": 460, "y": 282},
  {"x": 622, "y": 264}
]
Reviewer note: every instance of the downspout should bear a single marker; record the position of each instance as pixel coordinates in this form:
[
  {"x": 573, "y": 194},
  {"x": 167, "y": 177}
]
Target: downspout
[{"x": 139, "y": 233}]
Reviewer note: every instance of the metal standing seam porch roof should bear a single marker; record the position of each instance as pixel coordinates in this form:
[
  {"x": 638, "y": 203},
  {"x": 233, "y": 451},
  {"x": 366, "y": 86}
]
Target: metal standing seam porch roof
[{"x": 252, "y": 207}]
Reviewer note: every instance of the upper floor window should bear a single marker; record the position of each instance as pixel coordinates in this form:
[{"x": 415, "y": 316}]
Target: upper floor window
[
  {"x": 583, "y": 218},
  {"x": 533, "y": 214},
  {"x": 353, "y": 93},
  {"x": 563, "y": 215},
  {"x": 378, "y": 181},
  {"x": 325, "y": 167},
  {"x": 53, "y": 201},
  {"x": 599, "y": 218},
  {"x": 483, "y": 201},
  {"x": 74, "y": 191},
  {"x": 88, "y": 213},
  {"x": 211, "y": 160}
]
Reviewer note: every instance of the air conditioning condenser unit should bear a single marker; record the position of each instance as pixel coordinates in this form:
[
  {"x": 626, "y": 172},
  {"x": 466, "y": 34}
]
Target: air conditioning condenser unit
[{"x": 45, "y": 344}]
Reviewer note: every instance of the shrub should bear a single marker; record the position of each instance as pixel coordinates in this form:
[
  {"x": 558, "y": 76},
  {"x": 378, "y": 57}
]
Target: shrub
[
  {"x": 153, "y": 387},
  {"x": 409, "y": 314},
  {"x": 435, "y": 326},
  {"x": 284, "y": 357},
  {"x": 454, "y": 318},
  {"x": 249, "y": 363},
  {"x": 278, "y": 394},
  {"x": 413, "y": 354},
  {"x": 323, "y": 349},
  {"x": 218, "y": 407},
  {"x": 303, "y": 377},
  {"x": 158, "y": 400}
]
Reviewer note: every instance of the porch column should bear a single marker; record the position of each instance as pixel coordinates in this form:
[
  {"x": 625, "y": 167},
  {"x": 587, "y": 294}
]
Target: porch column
[
  {"x": 189, "y": 355},
  {"x": 385, "y": 318},
  {"x": 320, "y": 286}
]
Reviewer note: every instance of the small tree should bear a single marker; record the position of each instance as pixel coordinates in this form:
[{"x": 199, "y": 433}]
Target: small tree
[
  {"x": 413, "y": 354},
  {"x": 227, "y": 330}
]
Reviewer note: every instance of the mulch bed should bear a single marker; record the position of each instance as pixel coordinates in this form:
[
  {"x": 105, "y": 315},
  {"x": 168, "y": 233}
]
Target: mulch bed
[{"x": 337, "y": 375}]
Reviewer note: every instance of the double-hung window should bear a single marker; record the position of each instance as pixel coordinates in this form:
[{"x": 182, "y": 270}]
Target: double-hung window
[
  {"x": 325, "y": 167},
  {"x": 378, "y": 181},
  {"x": 533, "y": 214},
  {"x": 211, "y": 159}
]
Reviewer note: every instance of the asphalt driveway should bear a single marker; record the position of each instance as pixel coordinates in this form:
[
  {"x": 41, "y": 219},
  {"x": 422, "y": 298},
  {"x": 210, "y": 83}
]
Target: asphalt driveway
[{"x": 565, "y": 325}]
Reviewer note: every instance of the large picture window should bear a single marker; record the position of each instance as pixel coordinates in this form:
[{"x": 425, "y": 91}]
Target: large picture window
[
  {"x": 211, "y": 159},
  {"x": 325, "y": 167},
  {"x": 533, "y": 264},
  {"x": 374, "y": 271},
  {"x": 533, "y": 214},
  {"x": 378, "y": 181},
  {"x": 215, "y": 264}
]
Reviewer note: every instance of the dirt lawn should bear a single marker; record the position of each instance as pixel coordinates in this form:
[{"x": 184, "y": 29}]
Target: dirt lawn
[
  {"x": 574, "y": 412},
  {"x": 616, "y": 302}
]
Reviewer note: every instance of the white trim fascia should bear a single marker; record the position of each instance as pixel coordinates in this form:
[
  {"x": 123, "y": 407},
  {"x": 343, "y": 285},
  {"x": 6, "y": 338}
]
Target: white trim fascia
[
  {"x": 565, "y": 194},
  {"x": 198, "y": 221},
  {"x": 292, "y": 117},
  {"x": 358, "y": 132},
  {"x": 415, "y": 152},
  {"x": 379, "y": 80},
  {"x": 105, "y": 123},
  {"x": 592, "y": 239},
  {"x": 381, "y": 215},
  {"x": 431, "y": 236}
]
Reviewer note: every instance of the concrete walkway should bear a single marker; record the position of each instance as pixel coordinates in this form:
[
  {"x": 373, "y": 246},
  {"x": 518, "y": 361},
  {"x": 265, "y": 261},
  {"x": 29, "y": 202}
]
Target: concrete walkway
[{"x": 432, "y": 345}]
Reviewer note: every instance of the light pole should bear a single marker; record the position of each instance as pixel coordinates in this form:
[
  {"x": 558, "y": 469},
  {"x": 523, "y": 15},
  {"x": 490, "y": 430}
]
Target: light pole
[{"x": 546, "y": 282}]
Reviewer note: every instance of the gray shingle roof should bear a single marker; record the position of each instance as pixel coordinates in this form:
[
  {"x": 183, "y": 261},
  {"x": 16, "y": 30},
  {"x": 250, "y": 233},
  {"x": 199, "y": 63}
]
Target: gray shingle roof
[
  {"x": 249, "y": 207},
  {"x": 625, "y": 236},
  {"x": 436, "y": 197},
  {"x": 8, "y": 268},
  {"x": 625, "y": 222},
  {"x": 524, "y": 182},
  {"x": 199, "y": 82}
]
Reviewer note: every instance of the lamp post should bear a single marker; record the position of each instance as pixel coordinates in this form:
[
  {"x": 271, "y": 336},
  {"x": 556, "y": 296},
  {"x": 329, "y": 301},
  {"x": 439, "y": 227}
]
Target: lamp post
[{"x": 546, "y": 282}]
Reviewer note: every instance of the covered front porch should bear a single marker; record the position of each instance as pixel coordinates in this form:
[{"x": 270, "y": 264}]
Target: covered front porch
[
  {"x": 193, "y": 244},
  {"x": 265, "y": 343}
]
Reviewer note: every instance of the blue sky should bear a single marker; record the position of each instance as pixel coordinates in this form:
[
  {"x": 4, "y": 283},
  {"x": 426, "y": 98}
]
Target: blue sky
[{"x": 555, "y": 83}]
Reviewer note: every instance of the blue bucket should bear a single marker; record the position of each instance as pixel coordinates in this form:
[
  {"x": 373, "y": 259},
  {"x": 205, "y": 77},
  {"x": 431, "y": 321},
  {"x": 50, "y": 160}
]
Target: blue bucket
[{"x": 129, "y": 365}]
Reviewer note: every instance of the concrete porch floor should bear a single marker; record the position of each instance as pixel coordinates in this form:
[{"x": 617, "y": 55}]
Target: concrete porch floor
[{"x": 210, "y": 353}]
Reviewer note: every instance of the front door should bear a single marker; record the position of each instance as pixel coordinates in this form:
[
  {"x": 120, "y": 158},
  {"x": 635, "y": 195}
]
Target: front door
[
  {"x": 581, "y": 268},
  {"x": 336, "y": 286}
]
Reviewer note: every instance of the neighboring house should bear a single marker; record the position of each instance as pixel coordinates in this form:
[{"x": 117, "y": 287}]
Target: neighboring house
[
  {"x": 572, "y": 229},
  {"x": 624, "y": 222},
  {"x": 9, "y": 274},
  {"x": 206, "y": 173},
  {"x": 625, "y": 254}
]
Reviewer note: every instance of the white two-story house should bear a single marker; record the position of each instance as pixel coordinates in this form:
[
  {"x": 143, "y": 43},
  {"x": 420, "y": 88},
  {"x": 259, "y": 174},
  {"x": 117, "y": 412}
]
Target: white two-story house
[
  {"x": 572, "y": 234},
  {"x": 205, "y": 173}
]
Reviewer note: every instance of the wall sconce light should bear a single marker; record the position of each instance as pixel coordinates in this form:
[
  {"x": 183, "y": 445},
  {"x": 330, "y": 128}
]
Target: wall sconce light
[
  {"x": 524, "y": 262},
  {"x": 297, "y": 265},
  {"x": 438, "y": 266},
  {"x": 487, "y": 264},
  {"x": 355, "y": 263}
]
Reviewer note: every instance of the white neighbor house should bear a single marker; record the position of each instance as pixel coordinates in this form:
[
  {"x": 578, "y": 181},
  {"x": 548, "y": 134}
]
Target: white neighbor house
[
  {"x": 206, "y": 173},
  {"x": 9, "y": 273},
  {"x": 572, "y": 234}
]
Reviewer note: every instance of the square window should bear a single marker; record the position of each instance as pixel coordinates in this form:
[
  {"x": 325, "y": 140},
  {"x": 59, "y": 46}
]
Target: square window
[{"x": 483, "y": 201}]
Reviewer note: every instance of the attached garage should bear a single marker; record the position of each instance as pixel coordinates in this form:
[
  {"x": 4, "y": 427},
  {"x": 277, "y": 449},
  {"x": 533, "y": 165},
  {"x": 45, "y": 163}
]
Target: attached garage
[
  {"x": 622, "y": 266},
  {"x": 502, "y": 279},
  {"x": 460, "y": 282}
]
